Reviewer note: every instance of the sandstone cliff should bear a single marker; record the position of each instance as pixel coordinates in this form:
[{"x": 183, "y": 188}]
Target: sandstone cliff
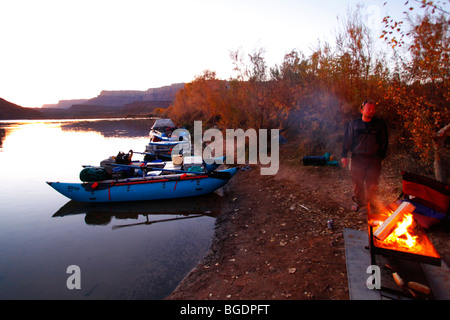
[{"x": 120, "y": 98}]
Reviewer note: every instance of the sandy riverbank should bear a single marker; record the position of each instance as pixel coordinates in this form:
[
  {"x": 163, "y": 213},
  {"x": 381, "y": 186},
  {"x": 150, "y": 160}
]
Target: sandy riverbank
[{"x": 272, "y": 242}]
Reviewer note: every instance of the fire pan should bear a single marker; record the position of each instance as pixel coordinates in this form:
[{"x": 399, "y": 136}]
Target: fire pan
[{"x": 415, "y": 257}]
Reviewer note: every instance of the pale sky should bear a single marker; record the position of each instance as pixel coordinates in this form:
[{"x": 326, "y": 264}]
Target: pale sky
[{"x": 53, "y": 50}]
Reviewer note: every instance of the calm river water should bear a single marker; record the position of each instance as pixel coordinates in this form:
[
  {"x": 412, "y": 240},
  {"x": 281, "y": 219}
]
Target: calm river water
[{"x": 139, "y": 250}]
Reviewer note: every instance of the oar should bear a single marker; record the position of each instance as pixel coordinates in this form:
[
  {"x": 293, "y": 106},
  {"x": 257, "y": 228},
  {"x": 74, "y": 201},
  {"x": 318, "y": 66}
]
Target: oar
[
  {"x": 168, "y": 143},
  {"x": 149, "y": 153},
  {"x": 155, "y": 169},
  {"x": 147, "y": 222},
  {"x": 142, "y": 152}
]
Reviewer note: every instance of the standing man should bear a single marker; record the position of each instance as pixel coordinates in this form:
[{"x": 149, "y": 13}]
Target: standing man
[{"x": 367, "y": 139}]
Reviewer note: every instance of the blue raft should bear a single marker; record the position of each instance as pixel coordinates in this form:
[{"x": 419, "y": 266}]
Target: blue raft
[{"x": 146, "y": 188}]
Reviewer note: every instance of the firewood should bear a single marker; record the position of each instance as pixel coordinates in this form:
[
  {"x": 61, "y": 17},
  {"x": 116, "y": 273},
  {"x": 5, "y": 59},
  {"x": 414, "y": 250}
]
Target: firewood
[
  {"x": 419, "y": 287},
  {"x": 390, "y": 223},
  {"x": 398, "y": 280}
]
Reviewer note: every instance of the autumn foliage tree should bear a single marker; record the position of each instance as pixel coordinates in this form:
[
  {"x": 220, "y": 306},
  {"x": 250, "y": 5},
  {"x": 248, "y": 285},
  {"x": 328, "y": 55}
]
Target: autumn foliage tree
[
  {"x": 312, "y": 97},
  {"x": 204, "y": 99},
  {"x": 419, "y": 93}
]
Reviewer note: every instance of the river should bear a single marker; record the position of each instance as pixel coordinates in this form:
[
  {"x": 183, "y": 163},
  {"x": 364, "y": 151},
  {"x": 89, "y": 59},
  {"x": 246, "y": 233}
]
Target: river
[{"x": 53, "y": 248}]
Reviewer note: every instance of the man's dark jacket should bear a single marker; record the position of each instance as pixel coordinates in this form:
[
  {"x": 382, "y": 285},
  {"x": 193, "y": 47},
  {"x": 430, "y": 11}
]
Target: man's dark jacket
[{"x": 366, "y": 138}]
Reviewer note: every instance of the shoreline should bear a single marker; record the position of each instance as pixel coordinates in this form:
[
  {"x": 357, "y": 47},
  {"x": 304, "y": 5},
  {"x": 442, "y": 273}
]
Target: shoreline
[
  {"x": 271, "y": 241},
  {"x": 272, "y": 247}
]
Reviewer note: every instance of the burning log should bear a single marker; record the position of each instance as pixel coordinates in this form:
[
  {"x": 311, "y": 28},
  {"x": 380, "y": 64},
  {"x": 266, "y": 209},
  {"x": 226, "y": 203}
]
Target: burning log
[
  {"x": 399, "y": 236},
  {"x": 390, "y": 223}
]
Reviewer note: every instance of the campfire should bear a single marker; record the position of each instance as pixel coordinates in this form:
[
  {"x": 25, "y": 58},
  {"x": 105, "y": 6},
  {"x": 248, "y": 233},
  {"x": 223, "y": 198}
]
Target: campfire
[
  {"x": 394, "y": 232},
  {"x": 401, "y": 245}
]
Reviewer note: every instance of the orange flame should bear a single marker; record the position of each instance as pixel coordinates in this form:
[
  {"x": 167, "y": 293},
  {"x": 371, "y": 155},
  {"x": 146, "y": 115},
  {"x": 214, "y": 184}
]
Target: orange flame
[
  {"x": 401, "y": 235},
  {"x": 406, "y": 237}
]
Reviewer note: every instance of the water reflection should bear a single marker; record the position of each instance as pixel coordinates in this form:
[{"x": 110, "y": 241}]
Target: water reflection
[
  {"x": 112, "y": 129},
  {"x": 2, "y": 136},
  {"x": 103, "y": 213}
]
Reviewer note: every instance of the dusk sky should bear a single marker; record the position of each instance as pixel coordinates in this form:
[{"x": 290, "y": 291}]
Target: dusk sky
[{"x": 55, "y": 50}]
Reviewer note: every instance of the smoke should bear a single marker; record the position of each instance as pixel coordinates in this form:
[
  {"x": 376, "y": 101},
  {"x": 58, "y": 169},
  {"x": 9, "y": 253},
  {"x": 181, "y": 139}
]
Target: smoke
[{"x": 319, "y": 120}]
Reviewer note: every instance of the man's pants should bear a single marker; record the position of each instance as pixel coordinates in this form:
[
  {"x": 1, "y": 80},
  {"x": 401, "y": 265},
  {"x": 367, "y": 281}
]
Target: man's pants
[{"x": 365, "y": 172}]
